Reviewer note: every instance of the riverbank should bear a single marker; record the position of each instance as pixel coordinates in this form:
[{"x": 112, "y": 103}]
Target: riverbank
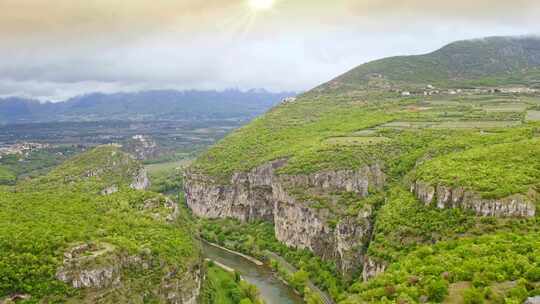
[
  {"x": 223, "y": 285},
  {"x": 326, "y": 299},
  {"x": 247, "y": 257},
  {"x": 272, "y": 290}
]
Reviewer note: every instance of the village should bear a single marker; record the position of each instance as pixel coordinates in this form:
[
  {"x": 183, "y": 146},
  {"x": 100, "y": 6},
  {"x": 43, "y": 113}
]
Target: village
[
  {"x": 22, "y": 149},
  {"x": 430, "y": 90}
]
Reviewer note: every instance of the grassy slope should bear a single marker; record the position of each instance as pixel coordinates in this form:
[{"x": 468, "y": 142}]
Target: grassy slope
[
  {"x": 494, "y": 171},
  {"x": 47, "y": 216},
  {"x": 6, "y": 176}
]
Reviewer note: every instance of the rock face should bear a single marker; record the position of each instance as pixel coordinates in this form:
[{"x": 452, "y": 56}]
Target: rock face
[
  {"x": 517, "y": 205},
  {"x": 262, "y": 195},
  {"x": 372, "y": 268},
  {"x": 140, "y": 180},
  {"x": 90, "y": 266},
  {"x": 181, "y": 288},
  {"x": 101, "y": 267}
]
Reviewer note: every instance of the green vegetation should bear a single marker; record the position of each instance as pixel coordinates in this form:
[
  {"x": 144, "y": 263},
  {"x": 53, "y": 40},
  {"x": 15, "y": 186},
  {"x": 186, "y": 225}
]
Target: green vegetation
[
  {"x": 404, "y": 224},
  {"x": 298, "y": 132},
  {"x": 324, "y": 132},
  {"x": 166, "y": 178},
  {"x": 494, "y": 171},
  {"x": 223, "y": 287},
  {"x": 47, "y": 216},
  {"x": 428, "y": 270}
]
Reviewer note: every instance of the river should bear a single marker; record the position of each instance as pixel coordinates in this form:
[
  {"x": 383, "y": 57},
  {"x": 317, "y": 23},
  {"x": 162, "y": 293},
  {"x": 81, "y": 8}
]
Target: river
[{"x": 273, "y": 291}]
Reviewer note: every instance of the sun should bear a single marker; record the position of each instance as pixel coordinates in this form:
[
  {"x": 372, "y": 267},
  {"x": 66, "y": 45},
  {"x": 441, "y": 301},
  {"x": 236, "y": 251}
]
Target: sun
[{"x": 260, "y": 5}]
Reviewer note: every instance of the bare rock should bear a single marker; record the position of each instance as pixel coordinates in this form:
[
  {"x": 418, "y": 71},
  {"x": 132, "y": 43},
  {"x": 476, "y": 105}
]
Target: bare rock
[
  {"x": 532, "y": 300},
  {"x": 90, "y": 265},
  {"x": 372, "y": 268},
  {"x": 518, "y": 205},
  {"x": 140, "y": 180},
  {"x": 110, "y": 190},
  {"x": 15, "y": 298}
]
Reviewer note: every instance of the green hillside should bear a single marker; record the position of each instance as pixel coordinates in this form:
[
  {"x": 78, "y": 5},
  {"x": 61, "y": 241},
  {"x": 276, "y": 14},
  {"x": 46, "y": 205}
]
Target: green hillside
[
  {"x": 63, "y": 217},
  {"x": 465, "y": 129},
  {"x": 490, "y": 61},
  {"x": 6, "y": 176}
]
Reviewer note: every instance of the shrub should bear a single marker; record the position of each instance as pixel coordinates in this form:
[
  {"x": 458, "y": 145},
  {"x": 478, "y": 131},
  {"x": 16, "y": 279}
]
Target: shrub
[
  {"x": 437, "y": 289},
  {"x": 473, "y": 296},
  {"x": 533, "y": 274}
]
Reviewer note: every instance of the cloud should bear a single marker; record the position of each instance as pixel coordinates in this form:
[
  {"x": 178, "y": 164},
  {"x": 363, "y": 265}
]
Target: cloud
[{"x": 57, "y": 49}]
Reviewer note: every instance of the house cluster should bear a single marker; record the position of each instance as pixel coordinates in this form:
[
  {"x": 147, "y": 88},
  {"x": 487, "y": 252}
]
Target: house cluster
[
  {"x": 430, "y": 90},
  {"x": 21, "y": 148},
  {"x": 288, "y": 100},
  {"x": 143, "y": 147}
]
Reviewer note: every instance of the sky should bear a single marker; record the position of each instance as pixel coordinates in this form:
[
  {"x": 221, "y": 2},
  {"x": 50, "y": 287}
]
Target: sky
[{"x": 56, "y": 49}]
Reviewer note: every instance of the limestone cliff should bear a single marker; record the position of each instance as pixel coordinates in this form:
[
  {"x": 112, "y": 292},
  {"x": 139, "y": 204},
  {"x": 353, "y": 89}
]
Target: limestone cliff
[
  {"x": 517, "y": 205},
  {"x": 140, "y": 180},
  {"x": 261, "y": 194},
  {"x": 102, "y": 267}
]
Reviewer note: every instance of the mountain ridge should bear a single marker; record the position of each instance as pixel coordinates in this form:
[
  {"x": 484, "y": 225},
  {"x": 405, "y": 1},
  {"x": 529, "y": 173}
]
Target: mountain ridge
[
  {"x": 144, "y": 105},
  {"x": 487, "y": 62}
]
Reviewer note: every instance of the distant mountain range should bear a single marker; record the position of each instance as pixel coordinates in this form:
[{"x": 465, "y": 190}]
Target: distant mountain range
[{"x": 140, "y": 106}]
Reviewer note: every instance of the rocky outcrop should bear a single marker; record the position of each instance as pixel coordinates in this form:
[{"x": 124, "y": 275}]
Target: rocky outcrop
[
  {"x": 101, "y": 267},
  {"x": 352, "y": 235},
  {"x": 161, "y": 208},
  {"x": 109, "y": 190},
  {"x": 372, "y": 267},
  {"x": 517, "y": 205},
  {"x": 14, "y": 298},
  {"x": 90, "y": 266},
  {"x": 140, "y": 180},
  {"x": 181, "y": 287},
  {"x": 261, "y": 194}
]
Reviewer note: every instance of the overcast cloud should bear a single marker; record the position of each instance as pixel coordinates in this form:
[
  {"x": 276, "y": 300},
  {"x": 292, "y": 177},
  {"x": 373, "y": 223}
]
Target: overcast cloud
[{"x": 55, "y": 49}]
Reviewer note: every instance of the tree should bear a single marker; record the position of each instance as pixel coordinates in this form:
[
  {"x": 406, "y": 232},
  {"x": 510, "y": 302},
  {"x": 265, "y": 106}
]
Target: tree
[
  {"x": 311, "y": 297},
  {"x": 298, "y": 279}
]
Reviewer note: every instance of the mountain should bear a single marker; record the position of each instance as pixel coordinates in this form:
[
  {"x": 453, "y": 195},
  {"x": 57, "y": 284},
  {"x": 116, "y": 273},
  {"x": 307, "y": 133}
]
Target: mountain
[
  {"x": 385, "y": 197},
  {"x": 147, "y": 105},
  {"x": 489, "y": 62}
]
